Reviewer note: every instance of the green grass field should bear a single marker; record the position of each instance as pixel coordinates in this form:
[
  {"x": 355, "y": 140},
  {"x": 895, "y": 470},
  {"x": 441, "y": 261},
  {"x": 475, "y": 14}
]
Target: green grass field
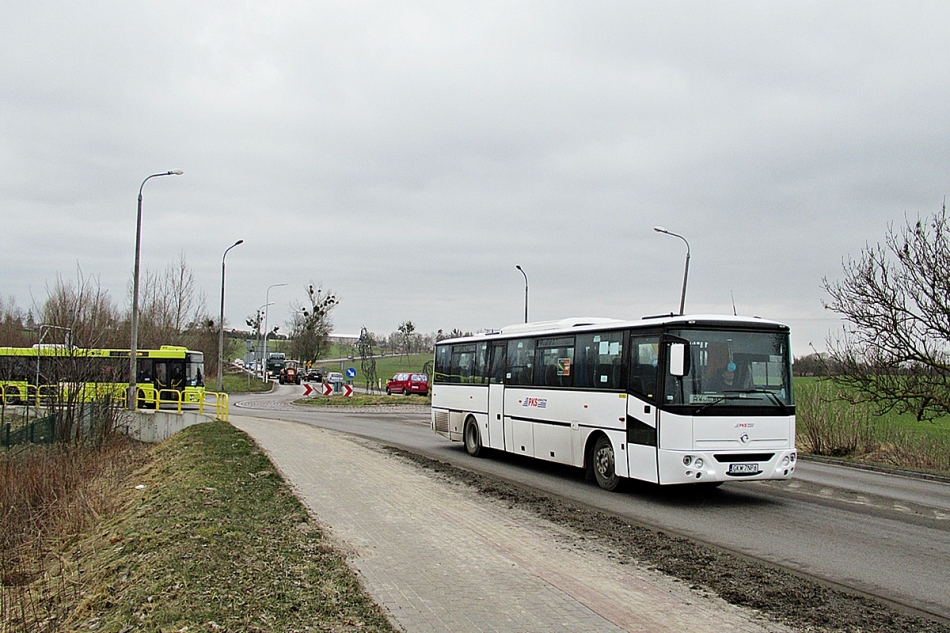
[
  {"x": 939, "y": 428},
  {"x": 829, "y": 425},
  {"x": 386, "y": 366}
]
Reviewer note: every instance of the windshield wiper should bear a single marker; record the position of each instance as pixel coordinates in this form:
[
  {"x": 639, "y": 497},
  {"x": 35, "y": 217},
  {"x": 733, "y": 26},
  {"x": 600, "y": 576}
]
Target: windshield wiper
[{"x": 768, "y": 393}]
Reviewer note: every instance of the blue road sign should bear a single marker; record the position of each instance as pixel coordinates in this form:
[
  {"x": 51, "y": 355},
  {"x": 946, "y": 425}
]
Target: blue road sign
[{"x": 351, "y": 372}]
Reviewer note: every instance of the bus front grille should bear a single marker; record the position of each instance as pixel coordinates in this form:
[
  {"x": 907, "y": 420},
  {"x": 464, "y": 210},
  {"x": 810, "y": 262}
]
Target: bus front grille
[{"x": 743, "y": 457}]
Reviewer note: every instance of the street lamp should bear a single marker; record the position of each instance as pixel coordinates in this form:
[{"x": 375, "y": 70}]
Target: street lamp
[
  {"x": 267, "y": 298},
  {"x": 258, "y": 316},
  {"x": 221, "y": 322},
  {"x": 525, "y": 292},
  {"x": 660, "y": 229},
  {"x": 133, "y": 348},
  {"x": 266, "y": 334}
]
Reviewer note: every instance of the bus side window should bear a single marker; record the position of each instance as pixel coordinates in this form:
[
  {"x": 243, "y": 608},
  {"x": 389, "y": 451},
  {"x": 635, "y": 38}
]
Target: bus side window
[
  {"x": 555, "y": 358},
  {"x": 481, "y": 364},
  {"x": 520, "y": 362},
  {"x": 598, "y": 359},
  {"x": 463, "y": 363},
  {"x": 443, "y": 359}
]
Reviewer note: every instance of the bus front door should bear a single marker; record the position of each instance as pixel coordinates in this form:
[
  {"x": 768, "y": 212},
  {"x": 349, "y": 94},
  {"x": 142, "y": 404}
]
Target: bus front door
[{"x": 642, "y": 439}]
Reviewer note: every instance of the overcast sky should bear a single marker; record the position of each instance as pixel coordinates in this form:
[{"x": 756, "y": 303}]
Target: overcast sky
[{"x": 408, "y": 155}]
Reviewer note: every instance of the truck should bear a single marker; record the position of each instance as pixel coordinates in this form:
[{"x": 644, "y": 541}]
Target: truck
[{"x": 275, "y": 362}]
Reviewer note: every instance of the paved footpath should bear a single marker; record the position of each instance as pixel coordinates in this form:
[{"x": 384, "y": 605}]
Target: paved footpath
[{"x": 438, "y": 556}]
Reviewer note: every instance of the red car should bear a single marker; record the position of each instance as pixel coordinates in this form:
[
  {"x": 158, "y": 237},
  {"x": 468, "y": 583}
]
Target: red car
[{"x": 408, "y": 384}]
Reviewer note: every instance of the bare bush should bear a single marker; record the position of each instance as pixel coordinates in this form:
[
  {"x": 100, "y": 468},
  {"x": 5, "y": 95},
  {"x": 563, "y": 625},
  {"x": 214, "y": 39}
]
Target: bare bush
[{"x": 827, "y": 425}]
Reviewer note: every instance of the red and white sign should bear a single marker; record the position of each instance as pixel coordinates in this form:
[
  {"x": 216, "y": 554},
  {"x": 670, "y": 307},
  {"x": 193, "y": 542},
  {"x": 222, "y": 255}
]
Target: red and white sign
[{"x": 328, "y": 390}]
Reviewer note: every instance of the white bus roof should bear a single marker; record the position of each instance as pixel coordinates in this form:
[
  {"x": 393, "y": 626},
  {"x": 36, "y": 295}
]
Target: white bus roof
[{"x": 596, "y": 323}]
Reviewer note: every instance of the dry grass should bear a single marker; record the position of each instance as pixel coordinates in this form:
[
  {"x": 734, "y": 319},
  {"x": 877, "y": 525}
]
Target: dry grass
[
  {"x": 205, "y": 536},
  {"x": 50, "y": 496}
]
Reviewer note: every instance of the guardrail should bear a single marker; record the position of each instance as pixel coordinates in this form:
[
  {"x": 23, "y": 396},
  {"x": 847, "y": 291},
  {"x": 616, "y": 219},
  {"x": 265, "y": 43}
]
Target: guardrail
[
  {"x": 176, "y": 399},
  {"x": 165, "y": 399}
]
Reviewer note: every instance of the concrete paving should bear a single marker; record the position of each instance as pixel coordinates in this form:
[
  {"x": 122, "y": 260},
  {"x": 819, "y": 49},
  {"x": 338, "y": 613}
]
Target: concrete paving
[{"x": 438, "y": 556}]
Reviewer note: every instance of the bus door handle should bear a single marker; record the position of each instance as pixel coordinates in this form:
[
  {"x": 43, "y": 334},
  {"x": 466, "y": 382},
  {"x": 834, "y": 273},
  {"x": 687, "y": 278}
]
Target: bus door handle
[{"x": 646, "y": 408}]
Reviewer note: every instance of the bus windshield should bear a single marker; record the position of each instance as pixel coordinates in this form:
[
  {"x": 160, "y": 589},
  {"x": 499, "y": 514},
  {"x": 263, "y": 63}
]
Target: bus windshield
[{"x": 728, "y": 369}]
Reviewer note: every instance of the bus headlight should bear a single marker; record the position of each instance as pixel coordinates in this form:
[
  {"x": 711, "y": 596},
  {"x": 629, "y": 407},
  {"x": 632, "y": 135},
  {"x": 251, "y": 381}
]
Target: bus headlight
[
  {"x": 687, "y": 460},
  {"x": 698, "y": 463},
  {"x": 786, "y": 461}
]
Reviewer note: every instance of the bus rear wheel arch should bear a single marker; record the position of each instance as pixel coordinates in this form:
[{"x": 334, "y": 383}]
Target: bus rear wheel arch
[
  {"x": 472, "y": 437},
  {"x": 11, "y": 395},
  {"x": 602, "y": 463}
]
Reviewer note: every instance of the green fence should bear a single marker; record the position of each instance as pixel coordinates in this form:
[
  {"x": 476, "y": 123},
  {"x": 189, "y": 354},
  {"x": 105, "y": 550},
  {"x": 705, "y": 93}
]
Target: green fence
[{"x": 41, "y": 431}]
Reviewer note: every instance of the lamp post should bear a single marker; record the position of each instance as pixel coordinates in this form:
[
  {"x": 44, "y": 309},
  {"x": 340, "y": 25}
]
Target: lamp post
[
  {"x": 221, "y": 322},
  {"x": 525, "y": 292},
  {"x": 259, "y": 315},
  {"x": 660, "y": 229},
  {"x": 267, "y": 298},
  {"x": 133, "y": 347}
]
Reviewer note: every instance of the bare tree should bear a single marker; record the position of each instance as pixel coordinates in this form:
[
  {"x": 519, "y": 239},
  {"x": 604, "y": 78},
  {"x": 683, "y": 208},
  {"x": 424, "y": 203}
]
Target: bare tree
[
  {"x": 172, "y": 310},
  {"x": 82, "y": 313},
  {"x": 894, "y": 351},
  {"x": 311, "y": 326},
  {"x": 15, "y": 325},
  {"x": 407, "y": 329}
]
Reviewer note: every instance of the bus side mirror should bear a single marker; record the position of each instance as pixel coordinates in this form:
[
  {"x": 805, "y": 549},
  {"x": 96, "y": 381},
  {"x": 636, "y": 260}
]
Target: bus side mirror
[{"x": 678, "y": 359}]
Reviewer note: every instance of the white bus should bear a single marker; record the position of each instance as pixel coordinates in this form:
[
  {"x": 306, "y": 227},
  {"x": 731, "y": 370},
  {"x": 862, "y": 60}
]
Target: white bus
[{"x": 668, "y": 400}]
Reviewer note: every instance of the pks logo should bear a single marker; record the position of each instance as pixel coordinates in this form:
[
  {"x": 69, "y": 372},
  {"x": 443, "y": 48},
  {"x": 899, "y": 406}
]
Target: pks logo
[
  {"x": 539, "y": 403},
  {"x": 745, "y": 425}
]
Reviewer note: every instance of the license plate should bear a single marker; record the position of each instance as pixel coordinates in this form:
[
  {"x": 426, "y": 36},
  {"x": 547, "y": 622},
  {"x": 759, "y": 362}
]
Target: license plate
[{"x": 743, "y": 469}]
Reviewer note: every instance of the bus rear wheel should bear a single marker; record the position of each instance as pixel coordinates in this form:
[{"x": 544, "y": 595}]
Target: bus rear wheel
[
  {"x": 473, "y": 439},
  {"x": 605, "y": 471}
]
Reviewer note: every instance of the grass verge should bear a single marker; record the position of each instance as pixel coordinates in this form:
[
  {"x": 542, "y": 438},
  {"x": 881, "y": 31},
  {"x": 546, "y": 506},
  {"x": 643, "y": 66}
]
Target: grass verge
[
  {"x": 210, "y": 538},
  {"x": 243, "y": 383},
  {"x": 364, "y": 400}
]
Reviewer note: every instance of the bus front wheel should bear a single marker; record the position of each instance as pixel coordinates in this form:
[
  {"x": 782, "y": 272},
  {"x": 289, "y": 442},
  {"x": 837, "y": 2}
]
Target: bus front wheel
[
  {"x": 605, "y": 471},
  {"x": 473, "y": 439}
]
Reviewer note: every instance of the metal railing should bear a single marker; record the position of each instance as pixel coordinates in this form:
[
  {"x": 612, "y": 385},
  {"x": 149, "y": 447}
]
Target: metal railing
[{"x": 162, "y": 399}]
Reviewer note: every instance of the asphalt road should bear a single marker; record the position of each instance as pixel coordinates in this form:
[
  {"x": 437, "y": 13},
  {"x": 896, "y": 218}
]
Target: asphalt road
[{"x": 885, "y": 535}]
